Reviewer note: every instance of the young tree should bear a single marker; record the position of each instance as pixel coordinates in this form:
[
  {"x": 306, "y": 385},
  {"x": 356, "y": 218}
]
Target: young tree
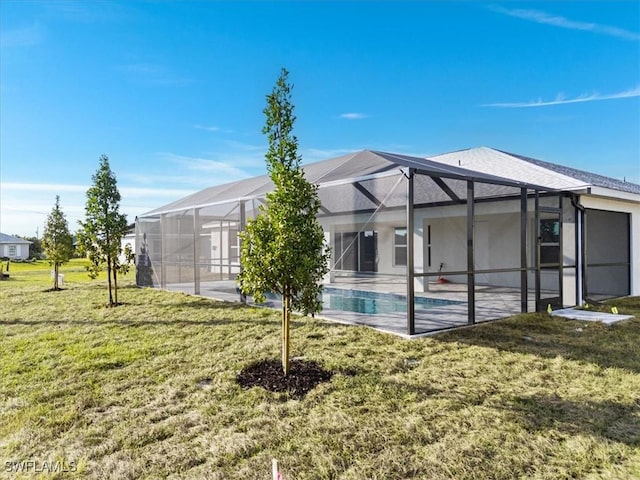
[
  {"x": 57, "y": 241},
  {"x": 104, "y": 226},
  {"x": 283, "y": 248},
  {"x": 121, "y": 265}
]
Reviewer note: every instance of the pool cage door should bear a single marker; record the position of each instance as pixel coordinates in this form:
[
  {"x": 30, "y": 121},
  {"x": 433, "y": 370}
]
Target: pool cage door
[{"x": 549, "y": 253}]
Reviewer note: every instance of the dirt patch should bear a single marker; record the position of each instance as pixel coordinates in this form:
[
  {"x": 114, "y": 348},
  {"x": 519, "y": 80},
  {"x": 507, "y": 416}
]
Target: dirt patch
[{"x": 304, "y": 376}]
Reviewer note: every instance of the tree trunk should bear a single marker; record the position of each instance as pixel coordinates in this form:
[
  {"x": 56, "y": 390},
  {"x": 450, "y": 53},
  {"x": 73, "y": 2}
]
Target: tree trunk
[
  {"x": 286, "y": 316},
  {"x": 109, "y": 279},
  {"x": 108, "y": 245},
  {"x": 115, "y": 283},
  {"x": 55, "y": 276}
]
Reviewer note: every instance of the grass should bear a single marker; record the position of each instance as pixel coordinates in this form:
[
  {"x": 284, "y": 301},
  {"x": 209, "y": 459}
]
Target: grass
[
  {"x": 148, "y": 390},
  {"x": 39, "y": 272}
]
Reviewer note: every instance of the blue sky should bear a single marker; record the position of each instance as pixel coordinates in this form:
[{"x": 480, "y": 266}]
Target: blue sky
[{"x": 173, "y": 92}]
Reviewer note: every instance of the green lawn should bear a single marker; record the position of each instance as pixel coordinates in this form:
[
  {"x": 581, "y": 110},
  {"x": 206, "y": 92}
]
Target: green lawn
[
  {"x": 39, "y": 272},
  {"x": 147, "y": 390}
]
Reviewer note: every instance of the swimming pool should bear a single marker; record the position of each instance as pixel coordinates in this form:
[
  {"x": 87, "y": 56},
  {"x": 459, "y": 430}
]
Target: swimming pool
[{"x": 372, "y": 303}]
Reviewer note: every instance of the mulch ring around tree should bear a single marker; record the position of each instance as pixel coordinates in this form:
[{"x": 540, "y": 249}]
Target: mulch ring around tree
[{"x": 304, "y": 376}]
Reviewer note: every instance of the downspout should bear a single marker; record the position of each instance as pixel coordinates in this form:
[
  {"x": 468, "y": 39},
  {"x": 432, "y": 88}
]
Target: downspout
[{"x": 580, "y": 249}]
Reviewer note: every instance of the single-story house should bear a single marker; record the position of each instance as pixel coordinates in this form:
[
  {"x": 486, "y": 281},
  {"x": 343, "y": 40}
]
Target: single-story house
[
  {"x": 14, "y": 248},
  {"x": 422, "y": 244}
]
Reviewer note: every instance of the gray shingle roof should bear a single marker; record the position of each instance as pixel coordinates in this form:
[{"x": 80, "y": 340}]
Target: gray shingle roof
[
  {"x": 519, "y": 167},
  {"x": 4, "y": 238},
  {"x": 591, "y": 178}
]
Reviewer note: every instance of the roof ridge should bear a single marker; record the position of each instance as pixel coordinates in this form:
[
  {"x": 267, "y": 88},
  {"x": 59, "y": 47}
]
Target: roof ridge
[
  {"x": 556, "y": 168},
  {"x": 578, "y": 182}
]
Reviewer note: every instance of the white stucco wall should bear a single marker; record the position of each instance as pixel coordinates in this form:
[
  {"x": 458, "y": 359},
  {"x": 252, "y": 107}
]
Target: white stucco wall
[
  {"x": 21, "y": 251},
  {"x": 496, "y": 242}
]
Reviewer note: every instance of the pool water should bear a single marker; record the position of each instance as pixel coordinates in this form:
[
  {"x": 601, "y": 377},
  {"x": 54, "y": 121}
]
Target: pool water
[{"x": 373, "y": 303}]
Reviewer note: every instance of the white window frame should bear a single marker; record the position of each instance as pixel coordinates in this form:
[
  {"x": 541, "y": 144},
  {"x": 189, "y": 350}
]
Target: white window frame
[{"x": 396, "y": 246}]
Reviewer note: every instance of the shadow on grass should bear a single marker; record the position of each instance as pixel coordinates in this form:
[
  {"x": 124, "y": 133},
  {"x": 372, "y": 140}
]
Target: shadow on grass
[
  {"x": 610, "y": 420},
  {"x": 268, "y": 319},
  {"x": 615, "y": 421},
  {"x": 197, "y": 303},
  {"x": 549, "y": 337},
  {"x": 145, "y": 323}
]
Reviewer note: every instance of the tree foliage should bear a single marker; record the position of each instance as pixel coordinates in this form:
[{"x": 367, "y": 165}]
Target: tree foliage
[
  {"x": 283, "y": 248},
  {"x": 57, "y": 241},
  {"x": 104, "y": 226}
]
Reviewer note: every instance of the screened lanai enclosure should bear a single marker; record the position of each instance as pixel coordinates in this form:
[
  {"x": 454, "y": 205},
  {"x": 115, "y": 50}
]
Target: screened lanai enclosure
[{"x": 416, "y": 246}]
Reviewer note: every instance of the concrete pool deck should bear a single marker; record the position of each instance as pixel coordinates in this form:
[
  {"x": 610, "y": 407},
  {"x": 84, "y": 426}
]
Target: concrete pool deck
[{"x": 491, "y": 303}]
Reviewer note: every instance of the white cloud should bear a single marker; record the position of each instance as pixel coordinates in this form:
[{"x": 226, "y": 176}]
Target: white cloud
[
  {"x": 46, "y": 190},
  {"x": 44, "y": 187},
  {"x": 245, "y": 147},
  {"x": 25, "y": 206},
  {"x": 562, "y": 22},
  {"x": 139, "y": 192},
  {"x": 562, "y": 100},
  {"x": 195, "y": 181},
  {"x": 223, "y": 170},
  {"x": 353, "y": 116},
  {"x": 208, "y": 129}
]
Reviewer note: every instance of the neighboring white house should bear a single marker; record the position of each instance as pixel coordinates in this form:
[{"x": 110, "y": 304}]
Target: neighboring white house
[{"x": 13, "y": 247}]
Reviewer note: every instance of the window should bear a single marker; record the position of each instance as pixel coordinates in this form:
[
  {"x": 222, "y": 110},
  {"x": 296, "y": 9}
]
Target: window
[
  {"x": 356, "y": 251},
  {"x": 234, "y": 245},
  {"x": 12, "y": 250},
  {"x": 400, "y": 247},
  {"x": 550, "y": 241}
]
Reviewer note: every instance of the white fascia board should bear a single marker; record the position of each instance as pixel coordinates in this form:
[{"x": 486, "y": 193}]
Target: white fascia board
[{"x": 614, "y": 194}]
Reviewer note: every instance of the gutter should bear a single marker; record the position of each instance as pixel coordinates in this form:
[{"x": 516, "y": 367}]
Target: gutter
[{"x": 581, "y": 251}]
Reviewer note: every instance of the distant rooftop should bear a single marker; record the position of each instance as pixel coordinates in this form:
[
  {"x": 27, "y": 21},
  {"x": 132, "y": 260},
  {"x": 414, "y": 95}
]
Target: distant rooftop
[{"x": 4, "y": 238}]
